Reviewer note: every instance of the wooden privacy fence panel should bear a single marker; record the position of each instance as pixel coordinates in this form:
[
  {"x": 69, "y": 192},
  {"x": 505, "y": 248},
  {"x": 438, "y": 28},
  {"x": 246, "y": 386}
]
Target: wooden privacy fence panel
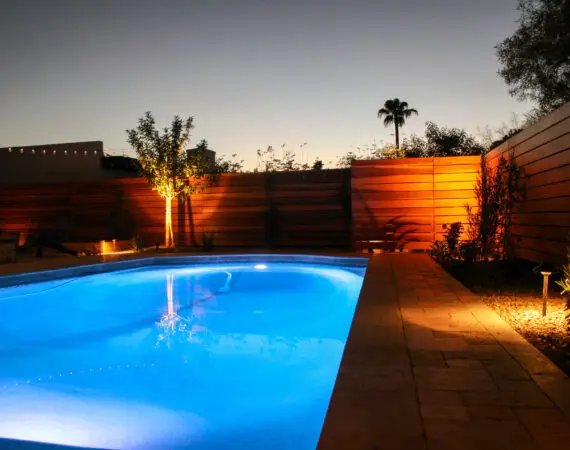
[
  {"x": 403, "y": 204},
  {"x": 542, "y": 222},
  {"x": 259, "y": 209}
]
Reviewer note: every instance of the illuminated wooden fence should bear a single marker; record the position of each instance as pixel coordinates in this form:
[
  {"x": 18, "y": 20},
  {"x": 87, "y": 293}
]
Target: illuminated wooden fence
[
  {"x": 402, "y": 204},
  {"x": 542, "y": 222},
  {"x": 309, "y": 208}
]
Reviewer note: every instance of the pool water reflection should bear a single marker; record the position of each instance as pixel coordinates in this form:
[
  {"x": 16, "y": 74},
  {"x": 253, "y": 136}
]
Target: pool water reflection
[{"x": 225, "y": 356}]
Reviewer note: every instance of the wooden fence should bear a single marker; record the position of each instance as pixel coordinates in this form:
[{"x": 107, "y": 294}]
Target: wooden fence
[
  {"x": 384, "y": 204},
  {"x": 309, "y": 208},
  {"x": 542, "y": 222},
  {"x": 403, "y": 204}
]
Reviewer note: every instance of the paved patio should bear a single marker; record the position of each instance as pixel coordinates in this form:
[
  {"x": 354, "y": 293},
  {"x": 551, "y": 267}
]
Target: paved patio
[{"x": 429, "y": 366}]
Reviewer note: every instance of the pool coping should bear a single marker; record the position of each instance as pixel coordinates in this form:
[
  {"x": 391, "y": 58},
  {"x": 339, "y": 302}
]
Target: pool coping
[
  {"x": 428, "y": 365},
  {"x": 54, "y": 269}
]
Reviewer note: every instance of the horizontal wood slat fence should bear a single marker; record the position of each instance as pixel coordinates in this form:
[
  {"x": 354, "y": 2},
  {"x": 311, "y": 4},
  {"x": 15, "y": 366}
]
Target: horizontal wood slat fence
[
  {"x": 402, "y": 204},
  {"x": 310, "y": 208},
  {"x": 542, "y": 222},
  {"x": 382, "y": 204}
]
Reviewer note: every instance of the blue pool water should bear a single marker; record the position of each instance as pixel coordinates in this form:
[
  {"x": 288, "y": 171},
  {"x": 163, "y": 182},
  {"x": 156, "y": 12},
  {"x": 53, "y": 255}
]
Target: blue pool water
[{"x": 211, "y": 356}]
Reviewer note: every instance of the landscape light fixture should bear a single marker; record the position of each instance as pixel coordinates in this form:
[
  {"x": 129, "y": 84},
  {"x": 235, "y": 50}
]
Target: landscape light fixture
[{"x": 545, "y": 276}]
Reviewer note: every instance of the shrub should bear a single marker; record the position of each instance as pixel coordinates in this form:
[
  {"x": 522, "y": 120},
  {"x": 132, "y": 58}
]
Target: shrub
[
  {"x": 450, "y": 248},
  {"x": 564, "y": 282},
  {"x": 497, "y": 191}
]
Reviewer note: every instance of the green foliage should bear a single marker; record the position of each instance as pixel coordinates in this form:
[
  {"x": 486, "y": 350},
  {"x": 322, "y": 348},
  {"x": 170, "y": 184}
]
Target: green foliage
[
  {"x": 318, "y": 164},
  {"x": 536, "y": 58},
  {"x": 415, "y": 147},
  {"x": 345, "y": 161},
  {"x": 137, "y": 244},
  {"x": 440, "y": 141},
  {"x": 208, "y": 241},
  {"x": 392, "y": 152},
  {"x": 163, "y": 159},
  {"x": 440, "y": 251},
  {"x": 497, "y": 190},
  {"x": 232, "y": 165},
  {"x": 564, "y": 282},
  {"x": 468, "y": 252},
  {"x": 510, "y": 133},
  {"x": 450, "y": 248},
  {"x": 452, "y": 236},
  {"x": 170, "y": 169},
  {"x": 270, "y": 160},
  {"x": 491, "y": 138},
  {"x": 534, "y": 115},
  {"x": 369, "y": 152},
  {"x": 395, "y": 112}
]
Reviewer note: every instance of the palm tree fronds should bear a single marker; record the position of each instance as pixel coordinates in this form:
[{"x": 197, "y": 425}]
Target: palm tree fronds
[{"x": 396, "y": 112}]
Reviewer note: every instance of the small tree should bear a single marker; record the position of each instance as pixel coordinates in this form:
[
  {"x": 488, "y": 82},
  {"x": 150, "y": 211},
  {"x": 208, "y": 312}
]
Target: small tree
[{"x": 165, "y": 163}]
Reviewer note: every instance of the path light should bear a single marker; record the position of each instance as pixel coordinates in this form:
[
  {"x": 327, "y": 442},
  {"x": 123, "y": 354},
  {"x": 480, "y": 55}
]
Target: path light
[{"x": 545, "y": 276}]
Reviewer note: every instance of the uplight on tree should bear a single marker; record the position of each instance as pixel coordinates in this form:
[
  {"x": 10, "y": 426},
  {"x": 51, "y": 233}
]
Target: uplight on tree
[{"x": 165, "y": 163}]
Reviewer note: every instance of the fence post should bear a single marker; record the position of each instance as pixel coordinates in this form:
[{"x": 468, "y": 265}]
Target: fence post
[{"x": 270, "y": 212}]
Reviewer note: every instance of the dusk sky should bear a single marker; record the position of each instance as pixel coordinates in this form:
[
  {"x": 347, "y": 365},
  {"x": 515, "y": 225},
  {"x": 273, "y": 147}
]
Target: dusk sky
[{"x": 251, "y": 72}]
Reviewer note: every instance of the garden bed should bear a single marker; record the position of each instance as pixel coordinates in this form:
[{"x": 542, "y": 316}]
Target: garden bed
[{"x": 514, "y": 291}]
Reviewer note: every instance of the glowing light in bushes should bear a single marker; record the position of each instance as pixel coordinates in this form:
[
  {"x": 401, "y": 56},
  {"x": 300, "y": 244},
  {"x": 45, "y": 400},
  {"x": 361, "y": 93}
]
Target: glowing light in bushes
[{"x": 260, "y": 267}]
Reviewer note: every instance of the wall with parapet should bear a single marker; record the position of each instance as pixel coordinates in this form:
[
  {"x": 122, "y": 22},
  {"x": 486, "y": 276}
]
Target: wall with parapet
[{"x": 75, "y": 161}]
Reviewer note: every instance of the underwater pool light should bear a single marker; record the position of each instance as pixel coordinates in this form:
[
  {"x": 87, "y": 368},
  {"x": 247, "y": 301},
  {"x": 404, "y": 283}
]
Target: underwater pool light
[{"x": 260, "y": 267}]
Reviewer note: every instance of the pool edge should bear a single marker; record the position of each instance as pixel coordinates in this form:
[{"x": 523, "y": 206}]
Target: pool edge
[{"x": 105, "y": 264}]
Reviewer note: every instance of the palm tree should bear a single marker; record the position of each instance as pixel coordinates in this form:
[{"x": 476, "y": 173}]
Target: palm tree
[{"x": 395, "y": 112}]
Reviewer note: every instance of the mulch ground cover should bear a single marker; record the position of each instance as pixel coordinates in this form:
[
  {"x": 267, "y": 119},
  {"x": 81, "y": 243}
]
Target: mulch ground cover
[{"x": 514, "y": 291}]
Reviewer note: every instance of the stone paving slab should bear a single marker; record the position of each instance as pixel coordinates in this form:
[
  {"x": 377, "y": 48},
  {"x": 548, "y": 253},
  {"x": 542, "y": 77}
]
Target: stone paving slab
[{"x": 429, "y": 366}]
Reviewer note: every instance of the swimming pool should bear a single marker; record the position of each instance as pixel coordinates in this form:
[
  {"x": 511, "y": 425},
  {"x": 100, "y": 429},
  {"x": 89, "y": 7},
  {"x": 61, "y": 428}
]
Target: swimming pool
[{"x": 168, "y": 353}]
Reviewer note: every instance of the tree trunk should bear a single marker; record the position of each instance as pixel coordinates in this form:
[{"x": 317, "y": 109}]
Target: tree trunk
[
  {"x": 168, "y": 233},
  {"x": 397, "y": 135}
]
